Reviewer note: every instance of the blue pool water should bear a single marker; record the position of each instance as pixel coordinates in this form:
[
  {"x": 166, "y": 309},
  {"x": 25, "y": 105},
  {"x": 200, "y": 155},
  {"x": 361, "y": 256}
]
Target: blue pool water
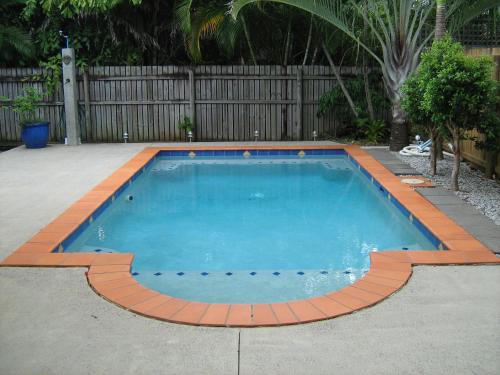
[{"x": 232, "y": 230}]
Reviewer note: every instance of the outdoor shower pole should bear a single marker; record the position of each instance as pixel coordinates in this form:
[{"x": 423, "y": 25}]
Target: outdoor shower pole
[{"x": 70, "y": 97}]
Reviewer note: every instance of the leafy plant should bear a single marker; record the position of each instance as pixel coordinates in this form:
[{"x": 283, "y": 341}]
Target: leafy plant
[
  {"x": 186, "y": 124},
  {"x": 334, "y": 99},
  {"x": 52, "y": 73},
  {"x": 373, "y": 131},
  {"x": 490, "y": 135},
  {"x": 25, "y": 105},
  {"x": 14, "y": 41},
  {"x": 455, "y": 92},
  {"x": 401, "y": 30}
]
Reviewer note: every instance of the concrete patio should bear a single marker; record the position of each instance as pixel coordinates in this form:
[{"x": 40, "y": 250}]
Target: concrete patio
[{"x": 446, "y": 320}]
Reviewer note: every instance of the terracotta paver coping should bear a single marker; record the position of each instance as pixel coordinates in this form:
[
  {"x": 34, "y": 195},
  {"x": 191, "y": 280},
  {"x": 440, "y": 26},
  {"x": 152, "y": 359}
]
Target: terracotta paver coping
[{"x": 109, "y": 274}]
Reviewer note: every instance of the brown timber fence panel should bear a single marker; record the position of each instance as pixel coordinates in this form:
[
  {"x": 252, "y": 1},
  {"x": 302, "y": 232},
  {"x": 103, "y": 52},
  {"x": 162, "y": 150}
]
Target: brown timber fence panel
[
  {"x": 148, "y": 102},
  {"x": 469, "y": 151},
  {"x": 12, "y": 82}
]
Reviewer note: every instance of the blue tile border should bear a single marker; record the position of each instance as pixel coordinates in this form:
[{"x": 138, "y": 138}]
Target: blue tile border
[
  {"x": 406, "y": 213},
  {"x": 254, "y": 153}
]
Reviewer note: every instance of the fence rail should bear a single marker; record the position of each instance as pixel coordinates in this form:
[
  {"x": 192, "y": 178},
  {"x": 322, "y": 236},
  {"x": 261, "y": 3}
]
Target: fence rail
[{"x": 229, "y": 102}]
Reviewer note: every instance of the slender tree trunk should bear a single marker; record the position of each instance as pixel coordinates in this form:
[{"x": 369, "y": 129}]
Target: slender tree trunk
[
  {"x": 399, "y": 127},
  {"x": 439, "y": 148},
  {"x": 340, "y": 81},
  {"x": 368, "y": 93},
  {"x": 440, "y": 20},
  {"x": 309, "y": 39},
  {"x": 249, "y": 42},
  {"x": 456, "y": 154},
  {"x": 315, "y": 54},
  {"x": 433, "y": 136},
  {"x": 489, "y": 169},
  {"x": 287, "y": 43}
]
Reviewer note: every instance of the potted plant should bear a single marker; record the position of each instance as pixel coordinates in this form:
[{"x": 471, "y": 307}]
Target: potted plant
[{"x": 34, "y": 132}]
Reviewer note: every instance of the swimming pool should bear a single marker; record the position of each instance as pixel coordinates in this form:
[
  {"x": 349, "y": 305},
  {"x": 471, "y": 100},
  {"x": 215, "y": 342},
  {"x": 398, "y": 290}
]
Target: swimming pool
[
  {"x": 249, "y": 226},
  {"x": 109, "y": 274}
]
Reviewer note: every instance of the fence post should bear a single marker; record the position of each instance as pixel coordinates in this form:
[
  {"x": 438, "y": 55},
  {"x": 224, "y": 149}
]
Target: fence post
[
  {"x": 86, "y": 93},
  {"x": 298, "y": 129},
  {"x": 192, "y": 101},
  {"x": 70, "y": 97}
]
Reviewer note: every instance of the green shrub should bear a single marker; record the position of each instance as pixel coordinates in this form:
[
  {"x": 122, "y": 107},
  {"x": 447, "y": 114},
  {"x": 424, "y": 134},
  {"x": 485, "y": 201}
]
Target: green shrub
[
  {"x": 452, "y": 91},
  {"x": 25, "y": 105}
]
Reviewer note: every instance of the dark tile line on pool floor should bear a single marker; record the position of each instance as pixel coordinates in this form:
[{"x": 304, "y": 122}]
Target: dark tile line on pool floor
[{"x": 109, "y": 273}]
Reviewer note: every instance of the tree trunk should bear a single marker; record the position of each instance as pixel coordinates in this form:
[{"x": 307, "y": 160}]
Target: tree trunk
[
  {"x": 456, "y": 154},
  {"x": 440, "y": 20},
  {"x": 340, "y": 81},
  {"x": 249, "y": 42},
  {"x": 368, "y": 93},
  {"x": 309, "y": 39},
  {"x": 439, "y": 148},
  {"x": 287, "y": 43},
  {"x": 489, "y": 169},
  {"x": 315, "y": 54},
  {"x": 399, "y": 127},
  {"x": 434, "y": 138}
]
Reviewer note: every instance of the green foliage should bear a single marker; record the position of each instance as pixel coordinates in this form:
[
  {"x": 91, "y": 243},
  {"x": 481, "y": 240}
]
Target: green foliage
[
  {"x": 14, "y": 40},
  {"x": 52, "y": 73},
  {"x": 490, "y": 128},
  {"x": 25, "y": 105},
  {"x": 186, "y": 124},
  {"x": 450, "y": 89},
  {"x": 335, "y": 98},
  {"x": 373, "y": 131}
]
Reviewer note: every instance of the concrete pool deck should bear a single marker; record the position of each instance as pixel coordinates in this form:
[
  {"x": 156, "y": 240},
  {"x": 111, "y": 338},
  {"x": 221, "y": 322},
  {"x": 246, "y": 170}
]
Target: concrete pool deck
[{"x": 444, "y": 320}]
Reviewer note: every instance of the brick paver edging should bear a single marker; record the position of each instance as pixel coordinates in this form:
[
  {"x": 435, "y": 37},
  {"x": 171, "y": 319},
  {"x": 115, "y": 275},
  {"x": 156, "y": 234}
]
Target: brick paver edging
[{"x": 109, "y": 274}]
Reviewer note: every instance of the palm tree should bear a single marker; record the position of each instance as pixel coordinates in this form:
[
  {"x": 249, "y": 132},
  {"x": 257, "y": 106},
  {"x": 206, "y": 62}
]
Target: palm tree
[
  {"x": 209, "y": 19},
  {"x": 440, "y": 19},
  {"x": 401, "y": 29}
]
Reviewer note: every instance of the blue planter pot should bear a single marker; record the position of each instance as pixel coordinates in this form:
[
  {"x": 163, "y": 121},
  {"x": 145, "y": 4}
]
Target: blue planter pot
[{"x": 35, "y": 135}]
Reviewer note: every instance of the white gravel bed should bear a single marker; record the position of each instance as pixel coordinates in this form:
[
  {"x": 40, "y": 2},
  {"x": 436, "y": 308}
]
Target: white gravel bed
[{"x": 480, "y": 192}]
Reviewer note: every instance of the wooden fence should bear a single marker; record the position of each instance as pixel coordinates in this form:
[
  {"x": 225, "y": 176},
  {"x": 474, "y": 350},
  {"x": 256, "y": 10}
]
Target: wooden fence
[
  {"x": 469, "y": 151},
  {"x": 230, "y": 102}
]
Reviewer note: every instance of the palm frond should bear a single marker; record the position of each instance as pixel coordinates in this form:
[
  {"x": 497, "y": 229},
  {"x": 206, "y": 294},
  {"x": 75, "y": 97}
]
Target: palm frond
[{"x": 461, "y": 12}]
